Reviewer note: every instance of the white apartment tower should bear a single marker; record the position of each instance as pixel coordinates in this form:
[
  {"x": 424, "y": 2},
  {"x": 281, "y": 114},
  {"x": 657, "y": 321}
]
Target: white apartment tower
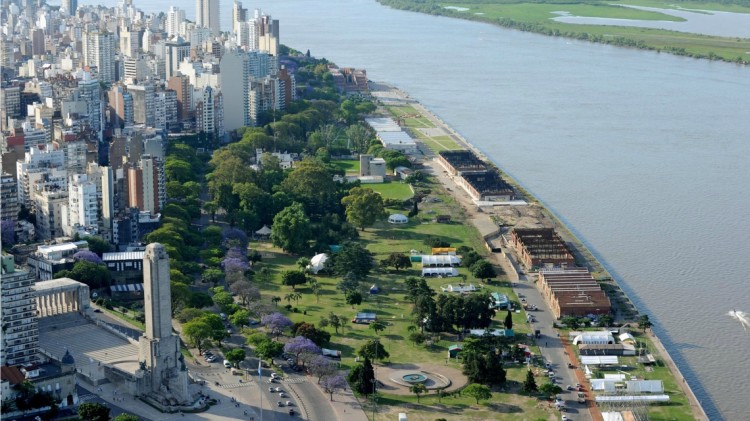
[
  {"x": 99, "y": 51},
  {"x": 207, "y": 15},
  {"x": 175, "y": 17},
  {"x": 20, "y": 344},
  {"x": 239, "y": 15},
  {"x": 235, "y": 82},
  {"x": 82, "y": 209}
]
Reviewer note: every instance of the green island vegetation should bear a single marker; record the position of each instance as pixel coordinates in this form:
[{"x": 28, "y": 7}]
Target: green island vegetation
[
  {"x": 536, "y": 16},
  {"x": 218, "y": 264}
]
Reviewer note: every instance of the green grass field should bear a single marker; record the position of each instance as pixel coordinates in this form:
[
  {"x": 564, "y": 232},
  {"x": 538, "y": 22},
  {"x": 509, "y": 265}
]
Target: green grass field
[
  {"x": 348, "y": 166},
  {"x": 393, "y": 190},
  {"x": 537, "y": 17}
]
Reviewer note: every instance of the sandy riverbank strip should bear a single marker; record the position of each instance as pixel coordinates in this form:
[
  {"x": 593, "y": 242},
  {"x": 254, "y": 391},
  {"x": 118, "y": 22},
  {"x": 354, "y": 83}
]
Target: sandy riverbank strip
[{"x": 480, "y": 220}]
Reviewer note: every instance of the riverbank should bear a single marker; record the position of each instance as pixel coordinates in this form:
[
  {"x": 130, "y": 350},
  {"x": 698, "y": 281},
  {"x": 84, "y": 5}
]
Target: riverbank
[
  {"x": 425, "y": 132},
  {"x": 537, "y": 18}
]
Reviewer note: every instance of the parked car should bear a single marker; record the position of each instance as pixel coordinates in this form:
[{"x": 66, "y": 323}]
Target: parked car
[
  {"x": 96, "y": 310},
  {"x": 227, "y": 364},
  {"x": 289, "y": 403},
  {"x": 282, "y": 395},
  {"x": 278, "y": 389},
  {"x": 291, "y": 411},
  {"x": 271, "y": 389},
  {"x": 280, "y": 403}
]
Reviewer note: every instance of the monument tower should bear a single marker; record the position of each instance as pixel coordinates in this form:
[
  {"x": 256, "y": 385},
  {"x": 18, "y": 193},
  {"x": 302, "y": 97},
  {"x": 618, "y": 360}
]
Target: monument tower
[{"x": 162, "y": 376}]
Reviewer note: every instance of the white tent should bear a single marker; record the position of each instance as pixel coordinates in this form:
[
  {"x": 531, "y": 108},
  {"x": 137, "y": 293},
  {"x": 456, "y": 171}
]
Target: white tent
[
  {"x": 429, "y": 260},
  {"x": 398, "y": 218},
  {"x": 440, "y": 272},
  {"x": 599, "y": 360},
  {"x": 264, "y": 231},
  {"x": 594, "y": 338},
  {"x": 317, "y": 262}
]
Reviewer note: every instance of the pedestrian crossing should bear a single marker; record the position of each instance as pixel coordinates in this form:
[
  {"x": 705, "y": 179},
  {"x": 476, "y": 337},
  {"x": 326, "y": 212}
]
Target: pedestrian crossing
[
  {"x": 235, "y": 385},
  {"x": 86, "y": 397},
  {"x": 295, "y": 379}
]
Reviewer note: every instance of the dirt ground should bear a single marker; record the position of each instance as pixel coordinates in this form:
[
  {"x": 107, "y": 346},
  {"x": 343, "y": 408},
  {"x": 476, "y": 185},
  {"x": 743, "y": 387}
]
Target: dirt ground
[{"x": 384, "y": 374}]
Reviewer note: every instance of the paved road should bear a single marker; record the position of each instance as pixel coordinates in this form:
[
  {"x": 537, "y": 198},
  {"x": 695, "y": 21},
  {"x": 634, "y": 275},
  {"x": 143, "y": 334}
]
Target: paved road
[{"x": 552, "y": 349}]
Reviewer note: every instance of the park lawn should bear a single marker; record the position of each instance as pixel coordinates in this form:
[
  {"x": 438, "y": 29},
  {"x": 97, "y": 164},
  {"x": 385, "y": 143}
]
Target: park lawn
[
  {"x": 349, "y": 166},
  {"x": 393, "y": 190}
]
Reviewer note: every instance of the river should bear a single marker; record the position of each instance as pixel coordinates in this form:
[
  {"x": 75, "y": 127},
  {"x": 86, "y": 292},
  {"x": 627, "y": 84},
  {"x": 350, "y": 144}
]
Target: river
[{"x": 643, "y": 155}]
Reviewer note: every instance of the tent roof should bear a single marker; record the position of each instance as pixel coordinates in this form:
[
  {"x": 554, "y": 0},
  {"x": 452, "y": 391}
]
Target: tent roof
[
  {"x": 264, "y": 230},
  {"x": 398, "y": 217}
]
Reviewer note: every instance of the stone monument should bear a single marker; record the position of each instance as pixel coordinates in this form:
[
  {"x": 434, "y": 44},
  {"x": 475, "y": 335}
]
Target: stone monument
[{"x": 162, "y": 376}]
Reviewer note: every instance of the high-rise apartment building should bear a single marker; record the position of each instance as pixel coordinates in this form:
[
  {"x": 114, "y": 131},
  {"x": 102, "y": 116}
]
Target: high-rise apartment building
[
  {"x": 129, "y": 42},
  {"x": 8, "y": 198},
  {"x": 81, "y": 213},
  {"x": 235, "y": 83},
  {"x": 268, "y": 35},
  {"x": 70, "y": 6},
  {"x": 239, "y": 15},
  {"x": 99, "y": 51},
  {"x": 209, "y": 113},
  {"x": 175, "y": 16},
  {"x": 20, "y": 344},
  {"x": 181, "y": 86},
  {"x": 146, "y": 185},
  {"x": 143, "y": 104},
  {"x": 207, "y": 15},
  {"x": 120, "y": 106},
  {"x": 50, "y": 199},
  {"x": 175, "y": 50}
]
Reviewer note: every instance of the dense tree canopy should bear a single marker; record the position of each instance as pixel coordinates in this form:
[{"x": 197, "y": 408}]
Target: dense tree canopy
[{"x": 363, "y": 207}]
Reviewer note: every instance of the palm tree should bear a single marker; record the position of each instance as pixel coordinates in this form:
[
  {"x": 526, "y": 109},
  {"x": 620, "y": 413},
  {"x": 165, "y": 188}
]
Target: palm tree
[
  {"x": 296, "y": 297},
  {"x": 316, "y": 289},
  {"x": 418, "y": 389},
  {"x": 275, "y": 300},
  {"x": 377, "y": 326},
  {"x": 289, "y": 297}
]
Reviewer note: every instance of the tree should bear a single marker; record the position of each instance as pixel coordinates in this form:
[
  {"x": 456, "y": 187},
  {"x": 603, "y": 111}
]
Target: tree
[
  {"x": 373, "y": 350},
  {"x": 483, "y": 269},
  {"x": 529, "y": 385},
  {"x": 291, "y": 229},
  {"x": 126, "y": 417},
  {"x": 240, "y": 318},
  {"x": 335, "y": 321},
  {"x": 269, "y": 349},
  {"x": 418, "y": 389},
  {"x": 301, "y": 345},
  {"x": 92, "y": 411},
  {"x": 316, "y": 289},
  {"x": 276, "y": 323},
  {"x": 417, "y": 337},
  {"x": 213, "y": 276},
  {"x": 97, "y": 245},
  {"x": 350, "y": 282},
  {"x": 377, "y": 326},
  {"x": 311, "y": 184},
  {"x": 549, "y": 389},
  {"x": 359, "y": 137},
  {"x": 362, "y": 377},
  {"x": 363, "y": 207},
  {"x": 571, "y": 322},
  {"x": 321, "y": 366},
  {"x": 353, "y": 298},
  {"x": 309, "y": 331},
  {"x": 197, "y": 331},
  {"x": 225, "y": 302},
  {"x": 397, "y": 261},
  {"x": 88, "y": 256},
  {"x": 275, "y": 300},
  {"x": 245, "y": 290},
  {"x": 478, "y": 392},
  {"x": 94, "y": 275},
  {"x": 234, "y": 356},
  {"x": 508, "y": 320},
  {"x": 352, "y": 257},
  {"x": 293, "y": 278},
  {"x": 605, "y": 320},
  {"x": 333, "y": 383},
  {"x": 644, "y": 322}
]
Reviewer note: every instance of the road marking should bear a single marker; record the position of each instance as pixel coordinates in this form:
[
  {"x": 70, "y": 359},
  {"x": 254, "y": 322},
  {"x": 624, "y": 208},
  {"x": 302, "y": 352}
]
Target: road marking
[
  {"x": 295, "y": 379},
  {"x": 235, "y": 385}
]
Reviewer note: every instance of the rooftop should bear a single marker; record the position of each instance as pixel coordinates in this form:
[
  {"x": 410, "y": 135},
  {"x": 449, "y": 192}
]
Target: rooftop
[
  {"x": 488, "y": 183},
  {"x": 123, "y": 255}
]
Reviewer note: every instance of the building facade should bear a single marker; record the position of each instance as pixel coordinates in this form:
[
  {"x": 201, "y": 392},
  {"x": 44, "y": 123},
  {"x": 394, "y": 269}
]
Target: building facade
[{"x": 20, "y": 343}]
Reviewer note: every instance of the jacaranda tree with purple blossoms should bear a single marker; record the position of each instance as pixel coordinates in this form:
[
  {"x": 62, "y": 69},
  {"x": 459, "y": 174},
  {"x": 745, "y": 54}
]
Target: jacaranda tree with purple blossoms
[
  {"x": 235, "y": 237},
  {"x": 333, "y": 383},
  {"x": 321, "y": 366},
  {"x": 276, "y": 323},
  {"x": 88, "y": 256},
  {"x": 301, "y": 345}
]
